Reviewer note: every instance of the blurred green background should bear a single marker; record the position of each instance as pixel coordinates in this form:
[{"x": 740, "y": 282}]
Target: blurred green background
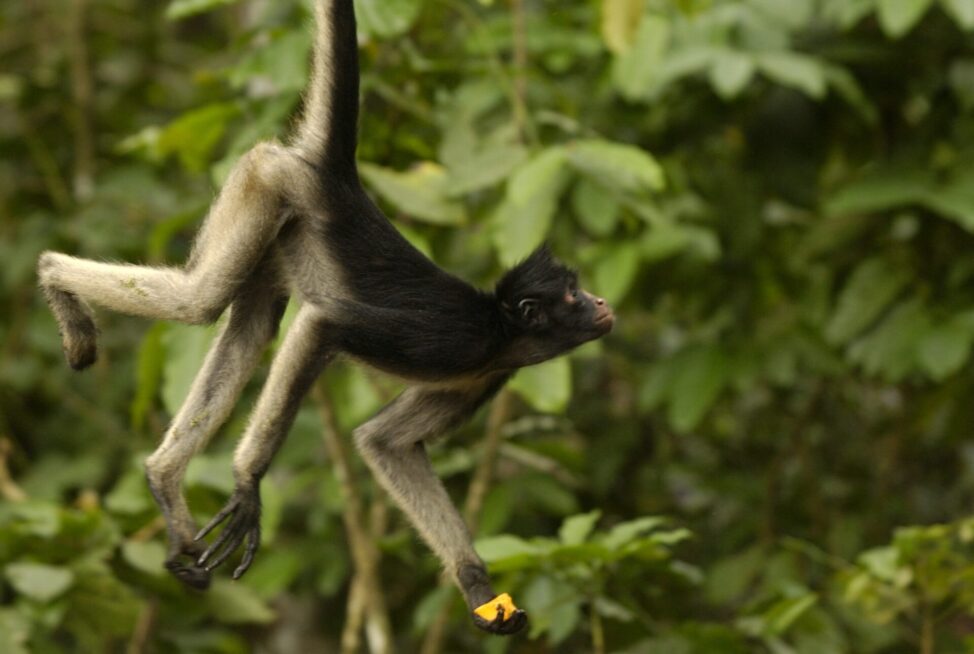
[{"x": 771, "y": 453}]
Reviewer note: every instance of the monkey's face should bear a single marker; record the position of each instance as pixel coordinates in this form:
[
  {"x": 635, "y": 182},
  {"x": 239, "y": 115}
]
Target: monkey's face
[
  {"x": 565, "y": 320},
  {"x": 547, "y": 311},
  {"x": 551, "y": 324}
]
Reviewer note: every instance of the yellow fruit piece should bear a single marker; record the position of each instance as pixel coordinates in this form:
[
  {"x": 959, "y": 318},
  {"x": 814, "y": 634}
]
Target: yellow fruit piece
[{"x": 488, "y": 611}]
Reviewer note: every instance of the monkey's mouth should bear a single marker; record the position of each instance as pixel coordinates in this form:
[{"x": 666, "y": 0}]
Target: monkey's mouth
[{"x": 604, "y": 320}]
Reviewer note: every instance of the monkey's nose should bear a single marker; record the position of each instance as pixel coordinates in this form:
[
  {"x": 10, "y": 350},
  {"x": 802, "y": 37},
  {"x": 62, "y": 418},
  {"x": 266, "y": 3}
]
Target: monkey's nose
[{"x": 600, "y": 301}]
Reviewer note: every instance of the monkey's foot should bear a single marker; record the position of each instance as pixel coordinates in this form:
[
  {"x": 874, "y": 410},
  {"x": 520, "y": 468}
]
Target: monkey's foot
[
  {"x": 79, "y": 336},
  {"x": 243, "y": 510},
  {"x": 183, "y": 567},
  {"x": 78, "y": 332},
  {"x": 499, "y": 616}
]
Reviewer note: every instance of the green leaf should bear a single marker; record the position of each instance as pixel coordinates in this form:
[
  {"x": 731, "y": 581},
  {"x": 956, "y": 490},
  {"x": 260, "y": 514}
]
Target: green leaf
[
  {"x": 962, "y": 11},
  {"x": 194, "y": 135},
  {"x": 147, "y": 557},
  {"x": 554, "y": 606},
  {"x": 731, "y": 72},
  {"x": 665, "y": 240},
  {"x": 236, "y": 603},
  {"x": 616, "y": 166},
  {"x": 596, "y": 210},
  {"x": 897, "y": 17},
  {"x": 130, "y": 495},
  {"x": 872, "y": 287},
  {"x": 891, "y": 348},
  {"x": 621, "y": 20},
  {"x": 880, "y": 190},
  {"x": 524, "y": 217},
  {"x": 283, "y": 62},
  {"x": 946, "y": 348},
  {"x": 485, "y": 168},
  {"x": 637, "y": 70},
  {"x": 497, "y": 548},
  {"x": 148, "y": 374},
  {"x": 179, "y": 9},
  {"x": 626, "y": 532},
  {"x": 39, "y": 581},
  {"x": 15, "y": 630},
  {"x": 784, "y": 613},
  {"x": 881, "y": 562},
  {"x": 547, "y": 386},
  {"x": 419, "y": 192},
  {"x": 386, "y": 18},
  {"x": 697, "y": 384},
  {"x": 847, "y": 12},
  {"x": 797, "y": 71},
  {"x": 186, "y": 348},
  {"x": 847, "y": 86},
  {"x": 576, "y": 529},
  {"x": 616, "y": 270}
]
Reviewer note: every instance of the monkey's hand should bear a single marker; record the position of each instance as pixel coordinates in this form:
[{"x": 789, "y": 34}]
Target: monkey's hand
[
  {"x": 243, "y": 510},
  {"x": 499, "y": 616}
]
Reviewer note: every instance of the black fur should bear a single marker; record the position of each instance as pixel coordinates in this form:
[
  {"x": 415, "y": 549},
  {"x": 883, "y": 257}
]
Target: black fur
[{"x": 339, "y": 157}]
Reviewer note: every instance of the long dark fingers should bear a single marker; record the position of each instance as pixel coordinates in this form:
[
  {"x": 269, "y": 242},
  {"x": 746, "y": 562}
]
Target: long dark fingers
[
  {"x": 229, "y": 539},
  {"x": 217, "y": 519},
  {"x": 253, "y": 542}
]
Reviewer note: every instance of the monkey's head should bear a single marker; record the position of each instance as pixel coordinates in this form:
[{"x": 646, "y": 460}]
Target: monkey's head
[{"x": 546, "y": 311}]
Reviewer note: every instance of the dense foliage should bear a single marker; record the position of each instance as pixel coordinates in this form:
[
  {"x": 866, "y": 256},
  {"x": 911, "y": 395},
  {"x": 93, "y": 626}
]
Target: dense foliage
[{"x": 769, "y": 454}]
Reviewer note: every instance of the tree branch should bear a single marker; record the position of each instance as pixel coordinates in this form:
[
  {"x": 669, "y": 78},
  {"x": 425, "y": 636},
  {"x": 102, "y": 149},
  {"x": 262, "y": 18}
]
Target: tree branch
[{"x": 365, "y": 553}]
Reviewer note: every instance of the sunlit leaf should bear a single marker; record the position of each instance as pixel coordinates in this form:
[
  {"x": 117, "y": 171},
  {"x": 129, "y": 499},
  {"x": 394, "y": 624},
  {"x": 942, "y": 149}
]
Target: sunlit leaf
[
  {"x": 962, "y": 11},
  {"x": 485, "y": 168},
  {"x": 616, "y": 270},
  {"x": 638, "y": 69},
  {"x": 496, "y": 548},
  {"x": 283, "y": 62},
  {"x": 620, "y": 22},
  {"x": 595, "y": 208},
  {"x": 39, "y": 581},
  {"x": 576, "y": 529},
  {"x": 897, "y": 17},
  {"x": 616, "y": 166},
  {"x": 186, "y": 348},
  {"x": 386, "y": 18},
  {"x": 236, "y": 603},
  {"x": 524, "y": 217},
  {"x": 797, "y": 71},
  {"x": 784, "y": 613},
  {"x": 147, "y": 557},
  {"x": 15, "y": 628},
  {"x": 731, "y": 72},
  {"x": 179, "y": 9},
  {"x": 547, "y": 386},
  {"x": 194, "y": 135},
  {"x": 419, "y": 192}
]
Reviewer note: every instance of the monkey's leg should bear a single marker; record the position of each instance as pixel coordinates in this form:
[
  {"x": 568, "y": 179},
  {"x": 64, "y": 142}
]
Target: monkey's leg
[
  {"x": 241, "y": 224},
  {"x": 252, "y": 323},
  {"x": 392, "y": 446},
  {"x": 300, "y": 360}
]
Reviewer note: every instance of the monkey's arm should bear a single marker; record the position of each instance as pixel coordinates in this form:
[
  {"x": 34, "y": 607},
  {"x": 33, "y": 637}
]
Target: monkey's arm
[{"x": 392, "y": 444}]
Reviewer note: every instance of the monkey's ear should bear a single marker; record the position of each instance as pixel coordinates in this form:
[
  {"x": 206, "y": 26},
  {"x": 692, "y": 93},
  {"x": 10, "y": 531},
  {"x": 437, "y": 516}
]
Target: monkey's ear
[{"x": 529, "y": 311}]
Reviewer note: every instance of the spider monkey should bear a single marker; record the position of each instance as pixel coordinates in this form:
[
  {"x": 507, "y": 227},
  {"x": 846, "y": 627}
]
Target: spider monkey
[{"x": 294, "y": 218}]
